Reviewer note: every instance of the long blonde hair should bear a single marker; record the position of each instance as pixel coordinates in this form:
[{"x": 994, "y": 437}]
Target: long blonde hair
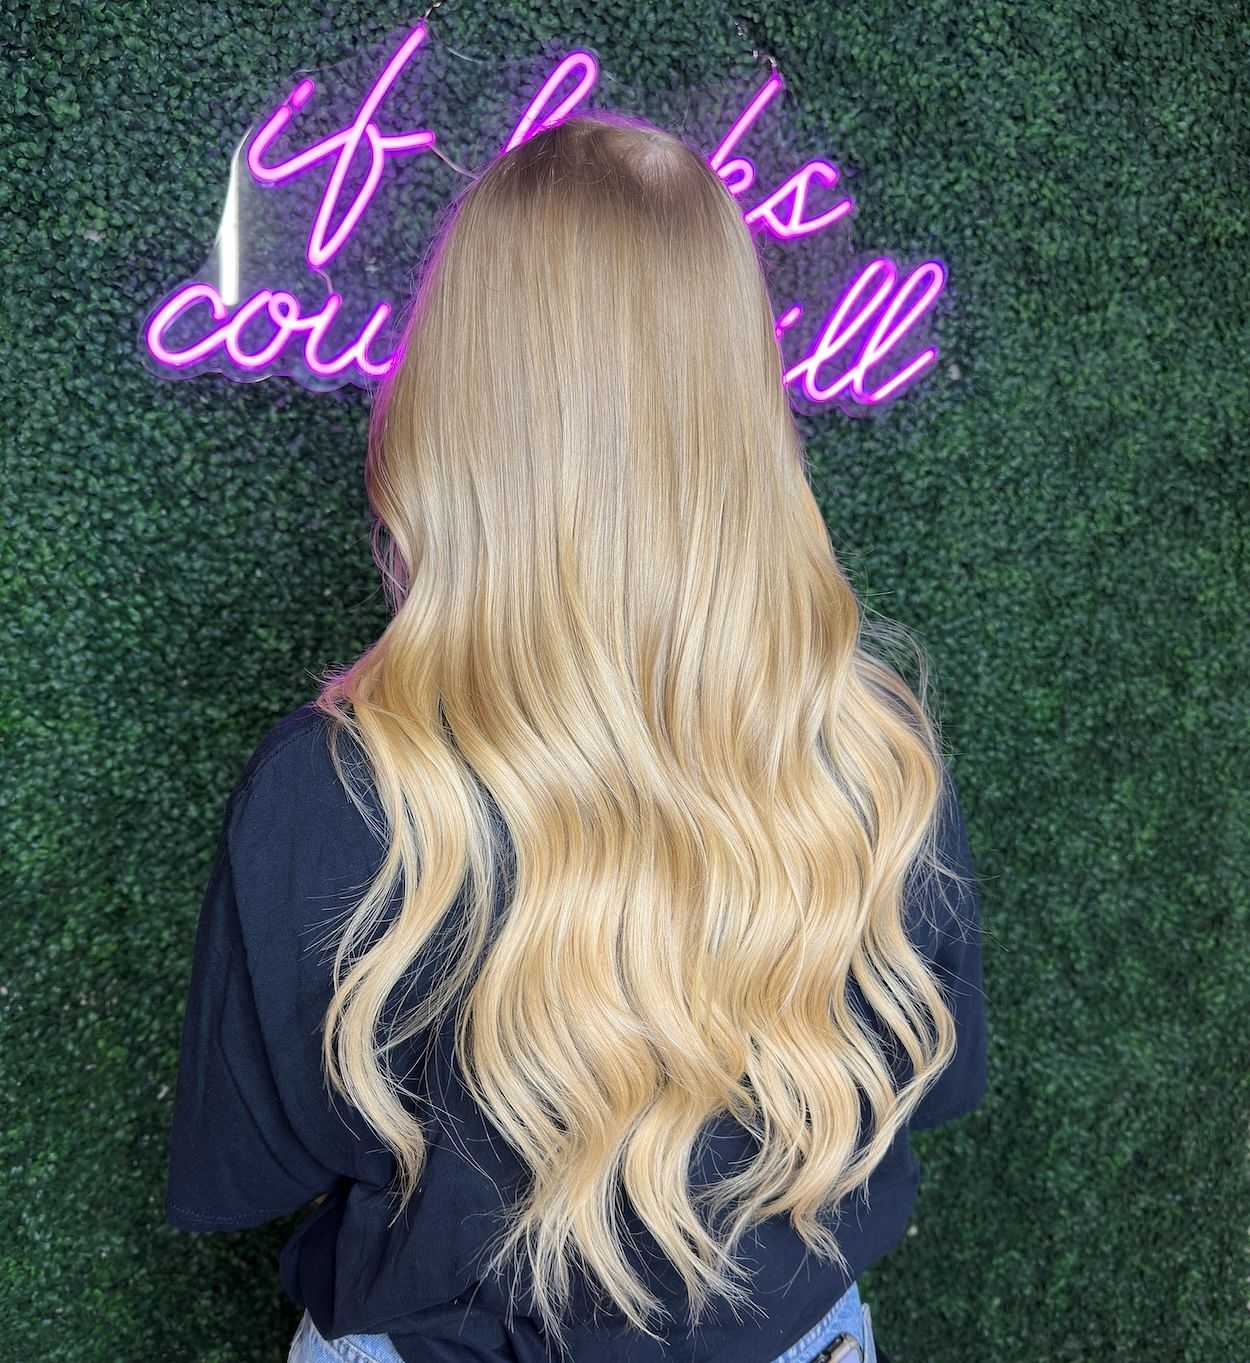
[{"x": 615, "y": 609}]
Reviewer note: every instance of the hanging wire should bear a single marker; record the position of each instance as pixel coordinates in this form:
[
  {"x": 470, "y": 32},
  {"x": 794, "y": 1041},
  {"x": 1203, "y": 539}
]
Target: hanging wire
[
  {"x": 463, "y": 56},
  {"x": 756, "y": 54},
  {"x": 739, "y": 24}
]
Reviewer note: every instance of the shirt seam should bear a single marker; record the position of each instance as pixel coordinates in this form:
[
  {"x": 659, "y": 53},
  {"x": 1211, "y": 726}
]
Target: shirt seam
[{"x": 226, "y": 1220}]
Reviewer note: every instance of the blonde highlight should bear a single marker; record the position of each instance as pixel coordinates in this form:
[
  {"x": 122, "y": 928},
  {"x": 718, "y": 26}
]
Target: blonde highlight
[{"x": 628, "y": 736}]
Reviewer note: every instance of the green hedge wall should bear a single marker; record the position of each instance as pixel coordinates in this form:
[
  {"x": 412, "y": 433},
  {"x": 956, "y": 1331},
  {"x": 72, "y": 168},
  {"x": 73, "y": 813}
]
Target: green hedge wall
[{"x": 1058, "y": 511}]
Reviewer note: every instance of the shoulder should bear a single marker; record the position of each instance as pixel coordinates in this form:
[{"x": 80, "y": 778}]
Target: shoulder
[
  {"x": 285, "y": 740},
  {"x": 293, "y": 827},
  {"x": 291, "y": 765}
]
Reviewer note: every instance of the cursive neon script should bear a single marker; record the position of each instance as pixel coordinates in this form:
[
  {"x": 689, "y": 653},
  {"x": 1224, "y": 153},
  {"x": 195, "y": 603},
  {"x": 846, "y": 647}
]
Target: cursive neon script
[{"x": 892, "y": 308}]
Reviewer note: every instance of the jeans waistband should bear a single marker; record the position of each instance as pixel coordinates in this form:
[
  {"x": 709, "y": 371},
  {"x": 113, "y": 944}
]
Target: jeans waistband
[{"x": 847, "y": 1316}]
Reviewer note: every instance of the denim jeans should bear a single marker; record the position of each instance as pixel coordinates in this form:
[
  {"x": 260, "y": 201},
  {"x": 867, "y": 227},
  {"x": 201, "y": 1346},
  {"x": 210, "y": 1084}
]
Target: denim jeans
[{"x": 847, "y": 1315}]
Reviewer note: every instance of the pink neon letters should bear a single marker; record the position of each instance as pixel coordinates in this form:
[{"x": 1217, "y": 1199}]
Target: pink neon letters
[
  {"x": 782, "y": 213},
  {"x": 739, "y": 175}
]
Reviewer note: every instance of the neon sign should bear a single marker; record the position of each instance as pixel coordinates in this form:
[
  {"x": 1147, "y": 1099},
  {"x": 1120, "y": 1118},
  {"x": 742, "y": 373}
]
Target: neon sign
[{"x": 869, "y": 320}]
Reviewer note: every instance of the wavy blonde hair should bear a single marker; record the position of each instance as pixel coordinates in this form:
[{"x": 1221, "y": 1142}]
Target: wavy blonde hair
[{"x": 615, "y": 607}]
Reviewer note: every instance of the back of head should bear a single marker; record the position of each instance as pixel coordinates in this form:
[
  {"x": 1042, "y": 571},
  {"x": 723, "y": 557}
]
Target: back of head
[
  {"x": 616, "y": 611},
  {"x": 591, "y": 362}
]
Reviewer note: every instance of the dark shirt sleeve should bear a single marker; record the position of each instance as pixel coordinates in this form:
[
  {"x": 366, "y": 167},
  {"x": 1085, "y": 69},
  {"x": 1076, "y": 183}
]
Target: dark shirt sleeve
[
  {"x": 956, "y": 911},
  {"x": 236, "y": 1159}
]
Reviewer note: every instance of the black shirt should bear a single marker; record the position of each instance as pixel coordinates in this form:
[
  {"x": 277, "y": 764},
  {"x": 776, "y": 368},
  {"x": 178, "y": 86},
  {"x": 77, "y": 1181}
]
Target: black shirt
[{"x": 256, "y": 1133}]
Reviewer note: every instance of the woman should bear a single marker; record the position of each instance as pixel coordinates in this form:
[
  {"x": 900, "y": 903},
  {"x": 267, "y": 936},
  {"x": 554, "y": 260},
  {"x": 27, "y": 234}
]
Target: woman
[{"x": 648, "y": 922}]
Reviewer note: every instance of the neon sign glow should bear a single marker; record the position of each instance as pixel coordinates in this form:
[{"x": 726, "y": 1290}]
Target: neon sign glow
[{"x": 782, "y": 214}]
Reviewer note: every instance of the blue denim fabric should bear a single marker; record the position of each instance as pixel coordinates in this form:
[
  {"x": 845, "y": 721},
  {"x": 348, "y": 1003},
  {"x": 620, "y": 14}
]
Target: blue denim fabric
[{"x": 847, "y": 1315}]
